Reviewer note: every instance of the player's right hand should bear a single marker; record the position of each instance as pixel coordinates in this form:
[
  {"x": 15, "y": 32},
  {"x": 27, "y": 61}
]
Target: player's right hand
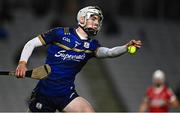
[
  {"x": 21, "y": 69},
  {"x": 136, "y": 43}
]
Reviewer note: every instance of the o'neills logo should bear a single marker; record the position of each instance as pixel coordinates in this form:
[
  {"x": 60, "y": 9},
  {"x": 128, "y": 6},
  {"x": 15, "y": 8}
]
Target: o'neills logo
[{"x": 66, "y": 56}]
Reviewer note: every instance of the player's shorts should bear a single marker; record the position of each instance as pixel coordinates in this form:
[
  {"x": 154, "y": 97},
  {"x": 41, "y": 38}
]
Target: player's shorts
[{"x": 42, "y": 103}]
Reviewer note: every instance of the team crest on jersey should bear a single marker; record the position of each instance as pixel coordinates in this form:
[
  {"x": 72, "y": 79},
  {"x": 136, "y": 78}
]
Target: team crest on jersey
[{"x": 86, "y": 44}]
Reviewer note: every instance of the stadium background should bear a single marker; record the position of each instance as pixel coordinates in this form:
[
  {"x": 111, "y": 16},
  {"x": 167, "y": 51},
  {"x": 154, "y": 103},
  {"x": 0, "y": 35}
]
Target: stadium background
[{"x": 109, "y": 84}]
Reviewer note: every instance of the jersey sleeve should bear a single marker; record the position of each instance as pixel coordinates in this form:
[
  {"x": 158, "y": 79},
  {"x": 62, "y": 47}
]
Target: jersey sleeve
[
  {"x": 171, "y": 95},
  {"x": 95, "y": 46},
  {"x": 147, "y": 93},
  {"x": 50, "y": 36}
]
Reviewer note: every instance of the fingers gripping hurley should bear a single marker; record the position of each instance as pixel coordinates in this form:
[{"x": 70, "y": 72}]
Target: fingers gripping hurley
[{"x": 36, "y": 73}]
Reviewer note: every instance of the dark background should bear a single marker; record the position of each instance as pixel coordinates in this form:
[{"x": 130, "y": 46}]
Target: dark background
[{"x": 108, "y": 84}]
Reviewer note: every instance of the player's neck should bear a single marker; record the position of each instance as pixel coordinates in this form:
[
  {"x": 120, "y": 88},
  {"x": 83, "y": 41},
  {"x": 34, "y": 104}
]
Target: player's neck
[
  {"x": 158, "y": 89},
  {"x": 81, "y": 33}
]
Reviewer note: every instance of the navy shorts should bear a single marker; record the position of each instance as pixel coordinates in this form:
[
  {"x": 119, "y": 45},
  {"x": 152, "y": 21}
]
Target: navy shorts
[{"x": 42, "y": 103}]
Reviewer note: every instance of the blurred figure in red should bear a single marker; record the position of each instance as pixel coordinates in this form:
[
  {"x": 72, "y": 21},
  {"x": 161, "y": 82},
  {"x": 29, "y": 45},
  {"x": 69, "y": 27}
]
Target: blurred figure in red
[{"x": 159, "y": 97}]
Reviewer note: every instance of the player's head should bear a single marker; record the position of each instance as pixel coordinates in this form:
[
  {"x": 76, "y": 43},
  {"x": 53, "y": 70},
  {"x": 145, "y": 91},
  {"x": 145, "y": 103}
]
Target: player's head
[
  {"x": 90, "y": 19},
  {"x": 158, "y": 78}
]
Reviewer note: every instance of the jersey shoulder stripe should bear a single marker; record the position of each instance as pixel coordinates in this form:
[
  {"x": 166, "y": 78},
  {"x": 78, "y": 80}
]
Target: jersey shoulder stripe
[
  {"x": 42, "y": 40},
  {"x": 52, "y": 35},
  {"x": 72, "y": 49},
  {"x": 66, "y": 31}
]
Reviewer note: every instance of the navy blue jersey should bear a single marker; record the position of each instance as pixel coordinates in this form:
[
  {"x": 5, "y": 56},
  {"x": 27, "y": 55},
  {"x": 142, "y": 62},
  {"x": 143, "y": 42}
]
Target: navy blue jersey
[{"x": 67, "y": 54}]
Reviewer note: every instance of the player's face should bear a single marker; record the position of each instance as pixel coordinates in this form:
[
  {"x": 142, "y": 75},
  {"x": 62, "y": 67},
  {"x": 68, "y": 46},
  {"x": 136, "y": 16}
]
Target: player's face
[
  {"x": 93, "y": 22},
  {"x": 158, "y": 82}
]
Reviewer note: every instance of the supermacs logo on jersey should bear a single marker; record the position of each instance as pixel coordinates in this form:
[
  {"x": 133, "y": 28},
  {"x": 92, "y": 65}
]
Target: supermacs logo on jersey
[{"x": 66, "y": 56}]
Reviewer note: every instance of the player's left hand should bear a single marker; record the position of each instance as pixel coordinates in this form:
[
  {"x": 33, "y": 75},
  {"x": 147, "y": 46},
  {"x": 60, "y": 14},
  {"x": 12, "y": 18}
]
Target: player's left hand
[{"x": 136, "y": 43}]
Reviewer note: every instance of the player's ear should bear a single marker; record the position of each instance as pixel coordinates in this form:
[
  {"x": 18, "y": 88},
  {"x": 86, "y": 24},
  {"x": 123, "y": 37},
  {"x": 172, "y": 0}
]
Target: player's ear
[{"x": 82, "y": 20}]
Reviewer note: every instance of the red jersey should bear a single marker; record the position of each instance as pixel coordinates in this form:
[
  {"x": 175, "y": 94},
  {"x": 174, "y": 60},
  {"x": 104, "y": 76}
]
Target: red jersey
[{"x": 159, "y": 98}]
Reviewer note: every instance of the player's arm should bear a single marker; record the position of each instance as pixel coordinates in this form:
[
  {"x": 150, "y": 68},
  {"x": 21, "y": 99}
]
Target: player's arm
[
  {"x": 173, "y": 99},
  {"x": 144, "y": 105},
  {"x": 43, "y": 39},
  {"x": 174, "y": 103},
  {"x": 104, "y": 52},
  {"x": 145, "y": 101},
  {"x": 26, "y": 53}
]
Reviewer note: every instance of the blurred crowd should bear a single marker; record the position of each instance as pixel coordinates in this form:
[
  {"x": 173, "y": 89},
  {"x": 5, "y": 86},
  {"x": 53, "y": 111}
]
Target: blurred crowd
[{"x": 62, "y": 9}]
